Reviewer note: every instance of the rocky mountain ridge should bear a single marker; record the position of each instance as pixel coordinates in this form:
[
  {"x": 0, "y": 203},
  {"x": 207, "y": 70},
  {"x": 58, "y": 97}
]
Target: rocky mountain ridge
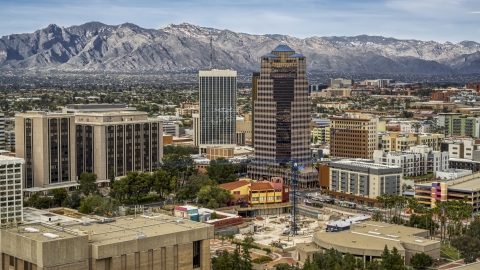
[{"x": 184, "y": 48}]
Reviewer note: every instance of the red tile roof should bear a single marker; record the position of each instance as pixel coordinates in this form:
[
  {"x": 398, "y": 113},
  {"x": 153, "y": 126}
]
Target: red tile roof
[
  {"x": 234, "y": 185},
  {"x": 261, "y": 186}
]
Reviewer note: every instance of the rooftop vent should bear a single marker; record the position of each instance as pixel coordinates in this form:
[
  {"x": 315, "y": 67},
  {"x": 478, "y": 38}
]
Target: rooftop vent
[
  {"x": 180, "y": 221},
  {"x": 51, "y": 235},
  {"x": 376, "y": 233},
  {"x": 392, "y": 236},
  {"x": 419, "y": 241},
  {"x": 31, "y": 230},
  {"x": 141, "y": 236}
]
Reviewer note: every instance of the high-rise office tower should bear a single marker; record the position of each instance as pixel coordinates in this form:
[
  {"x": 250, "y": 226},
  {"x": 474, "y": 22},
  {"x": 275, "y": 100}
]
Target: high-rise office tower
[
  {"x": 217, "y": 115},
  {"x": 255, "y": 77},
  {"x": 282, "y": 116}
]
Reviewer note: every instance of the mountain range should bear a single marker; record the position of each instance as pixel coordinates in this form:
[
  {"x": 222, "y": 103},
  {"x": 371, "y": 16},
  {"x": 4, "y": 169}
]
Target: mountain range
[{"x": 185, "y": 48}]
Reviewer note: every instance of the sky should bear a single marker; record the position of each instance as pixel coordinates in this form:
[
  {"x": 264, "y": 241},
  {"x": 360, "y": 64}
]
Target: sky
[{"x": 438, "y": 20}]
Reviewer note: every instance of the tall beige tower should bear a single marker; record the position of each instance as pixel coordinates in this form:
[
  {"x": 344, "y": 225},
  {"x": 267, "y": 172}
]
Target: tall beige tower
[
  {"x": 47, "y": 143},
  {"x": 282, "y": 115}
]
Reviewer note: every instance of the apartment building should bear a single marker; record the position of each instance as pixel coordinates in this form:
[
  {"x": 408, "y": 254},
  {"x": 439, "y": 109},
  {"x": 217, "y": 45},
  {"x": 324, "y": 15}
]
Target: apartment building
[
  {"x": 321, "y": 134},
  {"x": 353, "y": 136},
  {"x": 57, "y": 148},
  {"x": 400, "y": 142},
  {"x": 333, "y": 105},
  {"x": 11, "y": 182},
  {"x": 419, "y": 160},
  {"x": 456, "y": 124}
]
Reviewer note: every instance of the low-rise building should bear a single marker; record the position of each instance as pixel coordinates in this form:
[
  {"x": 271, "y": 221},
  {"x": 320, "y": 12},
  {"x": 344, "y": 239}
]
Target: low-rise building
[
  {"x": 356, "y": 180},
  {"x": 448, "y": 190},
  {"x": 395, "y": 141},
  {"x": 367, "y": 240},
  {"x": 147, "y": 242}
]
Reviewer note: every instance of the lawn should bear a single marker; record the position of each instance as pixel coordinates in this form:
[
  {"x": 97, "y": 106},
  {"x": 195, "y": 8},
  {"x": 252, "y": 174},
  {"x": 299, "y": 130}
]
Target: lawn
[{"x": 449, "y": 252}]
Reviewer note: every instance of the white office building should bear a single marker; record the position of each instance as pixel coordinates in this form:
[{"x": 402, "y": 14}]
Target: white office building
[
  {"x": 217, "y": 114},
  {"x": 11, "y": 182}
]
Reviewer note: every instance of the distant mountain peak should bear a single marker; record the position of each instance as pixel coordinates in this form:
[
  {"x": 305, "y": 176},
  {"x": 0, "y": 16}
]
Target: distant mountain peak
[{"x": 184, "y": 47}]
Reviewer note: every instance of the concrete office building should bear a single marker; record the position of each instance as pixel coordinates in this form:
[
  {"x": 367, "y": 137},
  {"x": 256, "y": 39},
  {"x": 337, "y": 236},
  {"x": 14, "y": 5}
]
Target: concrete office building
[
  {"x": 2, "y": 131},
  {"x": 153, "y": 242},
  {"x": 57, "y": 148},
  {"x": 171, "y": 129},
  {"x": 282, "y": 115},
  {"x": 351, "y": 180},
  {"x": 124, "y": 141},
  {"x": 47, "y": 144},
  {"x": 217, "y": 99},
  {"x": 367, "y": 240},
  {"x": 11, "y": 198},
  {"x": 353, "y": 136}
]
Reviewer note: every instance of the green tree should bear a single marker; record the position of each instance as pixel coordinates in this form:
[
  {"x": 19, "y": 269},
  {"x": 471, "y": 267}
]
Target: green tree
[
  {"x": 32, "y": 200},
  {"x": 421, "y": 261},
  {"x": 43, "y": 203},
  {"x": 59, "y": 195},
  {"x": 88, "y": 183},
  {"x": 111, "y": 176},
  {"x": 223, "y": 262},
  {"x": 195, "y": 183},
  {"x": 163, "y": 183},
  {"x": 73, "y": 201},
  {"x": 349, "y": 262},
  {"x": 386, "y": 258},
  {"x": 91, "y": 205},
  {"x": 246, "y": 262},
  {"x": 469, "y": 244},
  {"x": 374, "y": 265},
  {"x": 333, "y": 260},
  {"x": 214, "y": 196},
  {"x": 222, "y": 171},
  {"x": 142, "y": 185},
  {"x": 282, "y": 266},
  {"x": 179, "y": 165}
]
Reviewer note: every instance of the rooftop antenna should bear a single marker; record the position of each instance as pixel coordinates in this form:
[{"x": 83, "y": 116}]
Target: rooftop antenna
[{"x": 211, "y": 53}]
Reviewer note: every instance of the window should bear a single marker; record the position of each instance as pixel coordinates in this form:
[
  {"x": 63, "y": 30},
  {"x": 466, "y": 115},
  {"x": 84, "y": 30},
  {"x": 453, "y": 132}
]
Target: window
[{"x": 196, "y": 254}]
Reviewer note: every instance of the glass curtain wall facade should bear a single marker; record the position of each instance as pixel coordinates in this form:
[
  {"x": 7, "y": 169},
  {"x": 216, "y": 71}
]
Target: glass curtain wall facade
[
  {"x": 217, "y": 108},
  {"x": 282, "y": 113}
]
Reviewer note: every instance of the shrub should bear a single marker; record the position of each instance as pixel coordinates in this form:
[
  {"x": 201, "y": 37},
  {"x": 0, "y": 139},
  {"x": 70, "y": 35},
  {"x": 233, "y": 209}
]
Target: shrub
[
  {"x": 263, "y": 259},
  {"x": 267, "y": 250}
]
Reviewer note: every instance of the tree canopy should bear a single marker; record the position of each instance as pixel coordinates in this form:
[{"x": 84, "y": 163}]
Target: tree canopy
[
  {"x": 88, "y": 183},
  {"x": 222, "y": 171}
]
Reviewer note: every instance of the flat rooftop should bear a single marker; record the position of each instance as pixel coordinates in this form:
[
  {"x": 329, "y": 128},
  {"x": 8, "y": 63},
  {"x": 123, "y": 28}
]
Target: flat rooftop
[
  {"x": 375, "y": 235},
  {"x": 118, "y": 230}
]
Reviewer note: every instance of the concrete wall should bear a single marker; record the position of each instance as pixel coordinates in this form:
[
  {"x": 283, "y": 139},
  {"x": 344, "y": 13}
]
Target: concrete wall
[{"x": 45, "y": 254}]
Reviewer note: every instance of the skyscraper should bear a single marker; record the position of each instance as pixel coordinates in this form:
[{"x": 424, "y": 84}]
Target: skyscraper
[
  {"x": 218, "y": 89},
  {"x": 282, "y": 116},
  {"x": 255, "y": 77}
]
